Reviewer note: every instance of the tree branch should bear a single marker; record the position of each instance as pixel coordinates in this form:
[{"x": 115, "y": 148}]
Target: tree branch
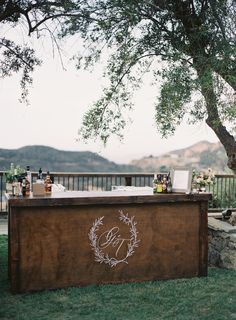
[
  {"x": 216, "y": 16},
  {"x": 2, "y": 43}
]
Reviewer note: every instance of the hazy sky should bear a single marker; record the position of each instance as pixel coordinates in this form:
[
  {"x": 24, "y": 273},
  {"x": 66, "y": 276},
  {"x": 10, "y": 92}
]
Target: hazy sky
[{"x": 58, "y": 100}]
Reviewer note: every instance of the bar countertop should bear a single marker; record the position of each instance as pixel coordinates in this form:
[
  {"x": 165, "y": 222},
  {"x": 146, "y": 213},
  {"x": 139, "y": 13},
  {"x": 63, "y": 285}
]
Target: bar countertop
[{"x": 103, "y": 197}]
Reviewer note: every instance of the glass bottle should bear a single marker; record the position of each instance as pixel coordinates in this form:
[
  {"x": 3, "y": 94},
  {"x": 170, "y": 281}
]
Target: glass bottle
[
  {"x": 48, "y": 183},
  {"x": 24, "y": 187},
  {"x": 164, "y": 184},
  {"x": 169, "y": 185},
  {"x": 155, "y": 183},
  {"x": 12, "y": 167},
  {"x": 40, "y": 174},
  {"x": 159, "y": 184},
  {"x": 27, "y": 187},
  {"x": 28, "y": 176}
]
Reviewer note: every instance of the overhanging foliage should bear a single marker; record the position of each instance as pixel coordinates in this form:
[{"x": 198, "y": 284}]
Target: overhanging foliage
[{"x": 195, "y": 39}]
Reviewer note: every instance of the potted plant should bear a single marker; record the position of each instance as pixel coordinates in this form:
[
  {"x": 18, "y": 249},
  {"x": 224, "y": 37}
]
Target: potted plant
[{"x": 13, "y": 175}]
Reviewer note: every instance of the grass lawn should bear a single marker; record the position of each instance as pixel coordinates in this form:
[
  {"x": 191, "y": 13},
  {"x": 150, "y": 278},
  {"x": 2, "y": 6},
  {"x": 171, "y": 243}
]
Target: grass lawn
[{"x": 213, "y": 297}]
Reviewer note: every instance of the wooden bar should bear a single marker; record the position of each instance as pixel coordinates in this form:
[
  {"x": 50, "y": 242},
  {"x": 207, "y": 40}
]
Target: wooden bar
[{"x": 80, "y": 238}]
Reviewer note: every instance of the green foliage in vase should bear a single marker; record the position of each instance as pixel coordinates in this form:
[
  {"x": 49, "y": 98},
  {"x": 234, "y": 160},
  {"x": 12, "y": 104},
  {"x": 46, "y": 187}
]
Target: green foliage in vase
[{"x": 14, "y": 173}]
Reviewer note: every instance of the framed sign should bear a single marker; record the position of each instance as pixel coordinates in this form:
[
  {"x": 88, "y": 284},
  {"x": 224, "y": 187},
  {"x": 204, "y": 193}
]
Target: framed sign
[{"x": 181, "y": 180}]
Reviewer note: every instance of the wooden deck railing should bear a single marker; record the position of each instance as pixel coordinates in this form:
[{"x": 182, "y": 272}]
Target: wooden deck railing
[
  {"x": 87, "y": 181},
  {"x": 223, "y": 190}
]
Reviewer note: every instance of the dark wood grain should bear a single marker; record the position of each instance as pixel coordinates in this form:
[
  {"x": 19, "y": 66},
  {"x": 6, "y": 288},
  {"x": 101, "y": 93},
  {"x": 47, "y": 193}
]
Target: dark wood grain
[
  {"x": 50, "y": 247},
  {"x": 203, "y": 238},
  {"x": 14, "y": 252},
  {"x": 103, "y": 197}
]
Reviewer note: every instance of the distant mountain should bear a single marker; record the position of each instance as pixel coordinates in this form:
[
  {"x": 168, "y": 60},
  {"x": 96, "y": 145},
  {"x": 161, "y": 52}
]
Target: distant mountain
[
  {"x": 201, "y": 155},
  {"x": 50, "y": 159}
]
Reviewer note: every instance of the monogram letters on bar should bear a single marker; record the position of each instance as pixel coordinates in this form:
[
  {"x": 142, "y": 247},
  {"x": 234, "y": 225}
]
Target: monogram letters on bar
[{"x": 112, "y": 238}]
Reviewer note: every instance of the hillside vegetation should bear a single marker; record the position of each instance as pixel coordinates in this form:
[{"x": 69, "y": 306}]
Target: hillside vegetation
[
  {"x": 52, "y": 159},
  {"x": 199, "y": 156}
]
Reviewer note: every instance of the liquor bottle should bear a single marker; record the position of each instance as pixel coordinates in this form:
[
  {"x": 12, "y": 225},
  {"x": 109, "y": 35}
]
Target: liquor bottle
[
  {"x": 40, "y": 174},
  {"x": 28, "y": 177},
  {"x": 164, "y": 184},
  {"x": 23, "y": 187},
  {"x": 159, "y": 184},
  {"x": 155, "y": 183},
  {"x": 12, "y": 168},
  {"x": 48, "y": 183},
  {"x": 169, "y": 185},
  {"x": 27, "y": 187}
]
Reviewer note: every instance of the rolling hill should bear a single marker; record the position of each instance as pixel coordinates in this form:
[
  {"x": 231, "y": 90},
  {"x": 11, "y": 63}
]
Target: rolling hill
[
  {"x": 50, "y": 159},
  {"x": 198, "y": 156}
]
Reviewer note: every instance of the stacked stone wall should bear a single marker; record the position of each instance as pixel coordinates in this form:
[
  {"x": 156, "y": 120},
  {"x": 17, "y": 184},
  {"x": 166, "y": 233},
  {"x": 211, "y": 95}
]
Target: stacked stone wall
[{"x": 221, "y": 244}]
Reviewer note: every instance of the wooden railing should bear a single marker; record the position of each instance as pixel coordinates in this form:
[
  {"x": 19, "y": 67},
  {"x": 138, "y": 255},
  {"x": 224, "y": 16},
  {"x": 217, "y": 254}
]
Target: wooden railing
[
  {"x": 101, "y": 181},
  {"x": 223, "y": 190},
  {"x": 87, "y": 181}
]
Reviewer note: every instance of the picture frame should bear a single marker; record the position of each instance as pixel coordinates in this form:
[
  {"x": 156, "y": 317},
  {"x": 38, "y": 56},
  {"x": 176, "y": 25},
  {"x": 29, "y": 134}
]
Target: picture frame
[{"x": 181, "y": 180}]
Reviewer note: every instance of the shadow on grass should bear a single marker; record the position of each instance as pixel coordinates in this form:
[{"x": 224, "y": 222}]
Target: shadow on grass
[{"x": 213, "y": 297}]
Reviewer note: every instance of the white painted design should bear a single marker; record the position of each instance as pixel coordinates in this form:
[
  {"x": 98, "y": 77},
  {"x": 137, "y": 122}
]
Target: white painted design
[{"x": 113, "y": 238}]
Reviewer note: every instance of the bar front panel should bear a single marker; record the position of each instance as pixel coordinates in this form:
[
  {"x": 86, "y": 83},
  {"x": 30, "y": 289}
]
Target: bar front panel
[{"x": 62, "y": 246}]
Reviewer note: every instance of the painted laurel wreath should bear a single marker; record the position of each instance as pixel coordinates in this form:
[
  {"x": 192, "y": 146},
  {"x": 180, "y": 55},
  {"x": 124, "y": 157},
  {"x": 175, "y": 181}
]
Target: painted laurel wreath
[{"x": 133, "y": 241}]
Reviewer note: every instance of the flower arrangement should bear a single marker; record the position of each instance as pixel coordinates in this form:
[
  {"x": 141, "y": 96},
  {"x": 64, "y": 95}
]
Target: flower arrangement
[
  {"x": 14, "y": 173},
  {"x": 202, "y": 179}
]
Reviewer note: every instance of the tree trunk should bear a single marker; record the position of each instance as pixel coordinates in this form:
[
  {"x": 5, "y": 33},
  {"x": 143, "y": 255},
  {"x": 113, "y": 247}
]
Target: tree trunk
[
  {"x": 227, "y": 141},
  {"x": 213, "y": 118},
  {"x": 185, "y": 12}
]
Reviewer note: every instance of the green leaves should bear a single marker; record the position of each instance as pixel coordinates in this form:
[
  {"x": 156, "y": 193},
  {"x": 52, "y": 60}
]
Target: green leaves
[
  {"x": 16, "y": 59},
  {"x": 187, "y": 35},
  {"x": 106, "y": 118},
  {"x": 175, "y": 94}
]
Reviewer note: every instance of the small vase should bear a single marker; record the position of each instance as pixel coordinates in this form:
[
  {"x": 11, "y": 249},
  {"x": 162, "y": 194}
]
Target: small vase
[{"x": 202, "y": 189}]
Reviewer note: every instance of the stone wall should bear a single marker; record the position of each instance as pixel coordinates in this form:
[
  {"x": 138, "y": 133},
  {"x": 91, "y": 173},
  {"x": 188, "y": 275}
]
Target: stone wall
[{"x": 221, "y": 244}]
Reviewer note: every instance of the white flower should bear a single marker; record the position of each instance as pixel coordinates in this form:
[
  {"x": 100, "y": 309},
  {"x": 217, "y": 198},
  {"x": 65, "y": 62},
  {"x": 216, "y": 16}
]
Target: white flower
[{"x": 203, "y": 178}]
